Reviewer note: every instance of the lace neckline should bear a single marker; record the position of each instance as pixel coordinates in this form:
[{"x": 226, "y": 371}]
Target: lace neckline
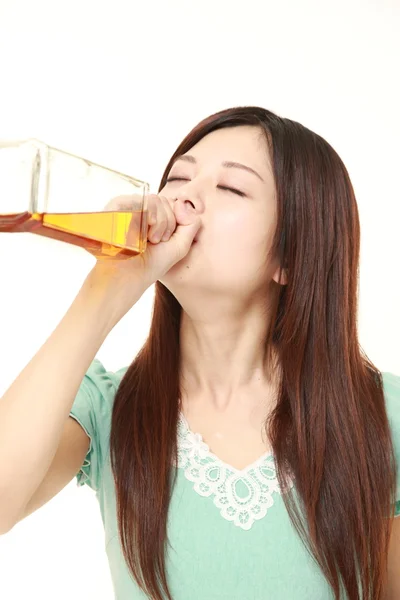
[
  {"x": 242, "y": 496},
  {"x": 206, "y": 450}
]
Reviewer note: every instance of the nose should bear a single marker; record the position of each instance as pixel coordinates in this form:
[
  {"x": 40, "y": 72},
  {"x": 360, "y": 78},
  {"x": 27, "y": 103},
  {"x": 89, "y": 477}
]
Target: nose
[{"x": 191, "y": 196}]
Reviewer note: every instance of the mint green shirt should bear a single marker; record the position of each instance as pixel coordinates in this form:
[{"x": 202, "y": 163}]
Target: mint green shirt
[{"x": 230, "y": 533}]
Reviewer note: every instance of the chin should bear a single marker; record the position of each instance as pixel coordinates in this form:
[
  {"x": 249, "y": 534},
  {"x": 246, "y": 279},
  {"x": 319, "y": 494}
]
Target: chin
[
  {"x": 180, "y": 274},
  {"x": 182, "y": 281}
]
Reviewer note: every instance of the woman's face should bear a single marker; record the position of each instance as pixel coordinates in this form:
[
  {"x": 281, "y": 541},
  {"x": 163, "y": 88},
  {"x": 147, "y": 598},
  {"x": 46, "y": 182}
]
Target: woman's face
[{"x": 229, "y": 255}]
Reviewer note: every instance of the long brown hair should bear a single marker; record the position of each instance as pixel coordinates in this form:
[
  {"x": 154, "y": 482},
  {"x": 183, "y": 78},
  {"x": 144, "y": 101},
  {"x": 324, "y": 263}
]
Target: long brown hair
[{"x": 329, "y": 427}]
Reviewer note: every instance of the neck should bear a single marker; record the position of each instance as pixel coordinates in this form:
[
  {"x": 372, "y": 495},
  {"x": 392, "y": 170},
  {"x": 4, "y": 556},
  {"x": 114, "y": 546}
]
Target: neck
[{"x": 223, "y": 356}]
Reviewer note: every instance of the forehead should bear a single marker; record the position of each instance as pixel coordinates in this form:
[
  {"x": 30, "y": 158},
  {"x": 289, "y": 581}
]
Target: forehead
[{"x": 243, "y": 143}]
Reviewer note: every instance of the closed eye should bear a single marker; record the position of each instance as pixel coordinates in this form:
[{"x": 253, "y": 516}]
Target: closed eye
[{"x": 222, "y": 187}]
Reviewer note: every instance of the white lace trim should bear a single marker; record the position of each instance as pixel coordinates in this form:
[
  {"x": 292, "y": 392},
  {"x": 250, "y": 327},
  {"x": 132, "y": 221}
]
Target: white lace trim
[{"x": 213, "y": 477}]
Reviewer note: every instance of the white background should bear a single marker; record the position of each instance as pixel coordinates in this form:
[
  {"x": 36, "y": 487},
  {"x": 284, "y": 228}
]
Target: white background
[{"x": 122, "y": 83}]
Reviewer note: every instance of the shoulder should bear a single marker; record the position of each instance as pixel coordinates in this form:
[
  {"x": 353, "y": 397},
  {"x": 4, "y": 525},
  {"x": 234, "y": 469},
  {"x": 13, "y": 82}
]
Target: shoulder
[
  {"x": 101, "y": 381},
  {"x": 94, "y": 400},
  {"x": 391, "y": 389},
  {"x": 92, "y": 408}
]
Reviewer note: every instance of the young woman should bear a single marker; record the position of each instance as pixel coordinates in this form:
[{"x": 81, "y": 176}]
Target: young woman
[{"x": 250, "y": 450}]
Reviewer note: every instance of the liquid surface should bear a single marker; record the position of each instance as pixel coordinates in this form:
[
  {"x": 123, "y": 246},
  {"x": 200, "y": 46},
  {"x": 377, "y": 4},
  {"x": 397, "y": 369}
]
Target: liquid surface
[{"x": 103, "y": 234}]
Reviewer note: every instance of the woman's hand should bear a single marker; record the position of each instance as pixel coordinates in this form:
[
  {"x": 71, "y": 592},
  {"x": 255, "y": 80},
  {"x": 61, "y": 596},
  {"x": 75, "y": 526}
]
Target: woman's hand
[{"x": 172, "y": 226}]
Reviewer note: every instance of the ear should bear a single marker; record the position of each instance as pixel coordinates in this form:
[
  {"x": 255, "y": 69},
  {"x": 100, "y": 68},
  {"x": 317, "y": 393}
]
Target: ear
[{"x": 275, "y": 276}]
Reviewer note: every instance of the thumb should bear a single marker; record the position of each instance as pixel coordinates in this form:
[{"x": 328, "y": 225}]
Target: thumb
[
  {"x": 188, "y": 224},
  {"x": 165, "y": 255},
  {"x": 185, "y": 213}
]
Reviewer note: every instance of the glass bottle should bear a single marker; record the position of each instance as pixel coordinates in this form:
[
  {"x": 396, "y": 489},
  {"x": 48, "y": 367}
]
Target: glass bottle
[{"x": 56, "y": 194}]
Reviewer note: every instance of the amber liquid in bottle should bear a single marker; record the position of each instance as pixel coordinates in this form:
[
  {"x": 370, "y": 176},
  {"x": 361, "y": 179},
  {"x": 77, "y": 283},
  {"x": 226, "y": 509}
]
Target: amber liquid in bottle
[{"x": 103, "y": 234}]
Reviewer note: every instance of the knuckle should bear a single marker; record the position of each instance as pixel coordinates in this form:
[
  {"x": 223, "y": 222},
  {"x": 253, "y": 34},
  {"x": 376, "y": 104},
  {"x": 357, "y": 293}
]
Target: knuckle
[
  {"x": 170, "y": 214},
  {"x": 152, "y": 200},
  {"x": 168, "y": 202}
]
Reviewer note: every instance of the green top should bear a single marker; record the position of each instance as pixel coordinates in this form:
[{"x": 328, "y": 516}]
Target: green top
[{"x": 231, "y": 536}]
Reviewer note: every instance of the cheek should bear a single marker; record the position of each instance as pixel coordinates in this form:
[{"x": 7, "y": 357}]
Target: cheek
[
  {"x": 240, "y": 231},
  {"x": 231, "y": 224}
]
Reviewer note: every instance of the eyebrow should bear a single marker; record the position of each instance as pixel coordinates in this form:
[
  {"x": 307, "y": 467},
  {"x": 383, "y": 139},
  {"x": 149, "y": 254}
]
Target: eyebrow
[{"x": 228, "y": 164}]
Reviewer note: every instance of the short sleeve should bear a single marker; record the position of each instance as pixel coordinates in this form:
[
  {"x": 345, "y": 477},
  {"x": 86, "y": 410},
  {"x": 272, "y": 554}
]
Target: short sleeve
[
  {"x": 92, "y": 408},
  {"x": 391, "y": 385}
]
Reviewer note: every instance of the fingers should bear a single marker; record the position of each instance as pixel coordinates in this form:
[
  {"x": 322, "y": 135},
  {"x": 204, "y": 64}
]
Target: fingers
[
  {"x": 159, "y": 258},
  {"x": 171, "y": 221},
  {"x": 162, "y": 220}
]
